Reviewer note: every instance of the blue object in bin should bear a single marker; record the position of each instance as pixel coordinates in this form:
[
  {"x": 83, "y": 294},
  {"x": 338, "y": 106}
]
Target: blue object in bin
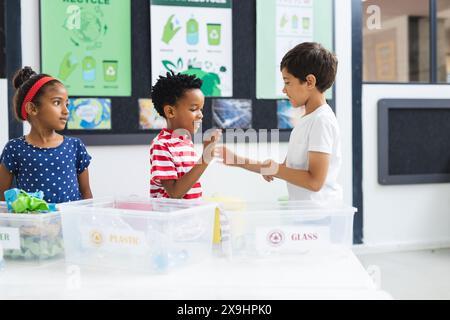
[
  {"x": 163, "y": 261},
  {"x": 12, "y": 194}
]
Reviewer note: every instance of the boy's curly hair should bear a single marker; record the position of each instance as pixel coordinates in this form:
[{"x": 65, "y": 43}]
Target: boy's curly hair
[{"x": 172, "y": 87}]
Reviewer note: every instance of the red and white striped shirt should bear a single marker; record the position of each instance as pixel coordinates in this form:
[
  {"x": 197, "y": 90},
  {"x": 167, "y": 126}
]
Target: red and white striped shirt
[{"x": 171, "y": 157}]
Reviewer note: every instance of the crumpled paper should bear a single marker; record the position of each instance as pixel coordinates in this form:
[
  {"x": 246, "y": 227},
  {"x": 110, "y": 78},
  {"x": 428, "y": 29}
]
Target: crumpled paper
[{"x": 19, "y": 201}]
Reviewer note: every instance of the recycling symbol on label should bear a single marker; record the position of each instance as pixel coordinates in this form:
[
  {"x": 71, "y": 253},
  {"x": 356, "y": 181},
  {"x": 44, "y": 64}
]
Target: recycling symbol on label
[
  {"x": 214, "y": 34},
  {"x": 110, "y": 71}
]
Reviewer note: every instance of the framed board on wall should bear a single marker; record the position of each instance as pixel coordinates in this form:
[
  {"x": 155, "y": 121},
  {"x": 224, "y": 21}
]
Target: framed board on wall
[
  {"x": 88, "y": 46},
  {"x": 127, "y": 124},
  {"x": 413, "y": 141}
]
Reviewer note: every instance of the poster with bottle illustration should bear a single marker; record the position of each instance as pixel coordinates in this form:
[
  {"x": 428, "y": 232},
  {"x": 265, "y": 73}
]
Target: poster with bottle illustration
[
  {"x": 195, "y": 38},
  {"x": 87, "y": 45},
  {"x": 281, "y": 25}
]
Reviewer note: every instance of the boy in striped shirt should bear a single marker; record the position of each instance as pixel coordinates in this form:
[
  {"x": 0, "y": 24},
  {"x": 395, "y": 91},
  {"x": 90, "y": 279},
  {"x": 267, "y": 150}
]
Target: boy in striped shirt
[{"x": 175, "y": 169}]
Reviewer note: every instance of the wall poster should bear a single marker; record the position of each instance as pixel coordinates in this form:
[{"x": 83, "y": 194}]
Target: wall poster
[
  {"x": 87, "y": 45},
  {"x": 281, "y": 25},
  {"x": 194, "y": 37}
]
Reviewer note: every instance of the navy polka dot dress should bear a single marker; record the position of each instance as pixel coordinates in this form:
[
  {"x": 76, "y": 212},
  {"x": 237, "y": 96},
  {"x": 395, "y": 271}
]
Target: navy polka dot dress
[{"x": 52, "y": 170}]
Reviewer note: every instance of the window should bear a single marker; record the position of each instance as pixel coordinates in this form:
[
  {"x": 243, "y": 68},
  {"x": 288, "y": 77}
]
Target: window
[
  {"x": 443, "y": 41},
  {"x": 396, "y": 41}
]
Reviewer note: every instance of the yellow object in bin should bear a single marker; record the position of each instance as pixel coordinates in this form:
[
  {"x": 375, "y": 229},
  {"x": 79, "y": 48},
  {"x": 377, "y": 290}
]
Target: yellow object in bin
[
  {"x": 227, "y": 204},
  {"x": 217, "y": 235}
]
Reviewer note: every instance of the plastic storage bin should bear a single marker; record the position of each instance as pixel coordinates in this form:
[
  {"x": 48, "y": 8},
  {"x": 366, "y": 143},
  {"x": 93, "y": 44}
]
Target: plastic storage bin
[
  {"x": 137, "y": 233},
  {"x": 264, "y": 229},
  {"x": 31, "y": 237}
]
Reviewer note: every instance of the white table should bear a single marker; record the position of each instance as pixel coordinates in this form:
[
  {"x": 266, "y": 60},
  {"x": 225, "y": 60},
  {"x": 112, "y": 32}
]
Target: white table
[{"x": 337, "y": 275}]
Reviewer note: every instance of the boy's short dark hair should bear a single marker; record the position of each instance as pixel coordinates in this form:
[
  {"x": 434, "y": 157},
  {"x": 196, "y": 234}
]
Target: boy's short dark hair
[
  {"x": 311, "y": 58},
  {"x": 172, "y": 87}
]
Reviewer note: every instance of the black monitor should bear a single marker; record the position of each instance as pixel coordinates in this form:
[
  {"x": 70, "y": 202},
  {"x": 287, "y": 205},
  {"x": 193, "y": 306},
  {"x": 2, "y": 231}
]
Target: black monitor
[{"x": 413, "y": 141}]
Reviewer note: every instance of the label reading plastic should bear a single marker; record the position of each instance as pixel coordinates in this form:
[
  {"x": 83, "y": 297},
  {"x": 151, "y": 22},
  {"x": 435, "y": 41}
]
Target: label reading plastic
[
  {"x": 291, "y": 239},
  {"x": 113, "y": 240},
  {"x": 10, "y": 238}
]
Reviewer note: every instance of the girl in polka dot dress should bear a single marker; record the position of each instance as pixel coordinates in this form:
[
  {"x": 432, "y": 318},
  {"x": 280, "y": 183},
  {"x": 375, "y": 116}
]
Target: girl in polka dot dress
[{"x": 44, "y": 160}]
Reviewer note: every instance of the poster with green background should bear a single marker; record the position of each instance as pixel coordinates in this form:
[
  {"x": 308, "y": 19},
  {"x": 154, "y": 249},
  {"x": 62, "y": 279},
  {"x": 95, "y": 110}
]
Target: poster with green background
[
  {"x": 87, "y": 45},
  {"x": 282, "y": 24}
]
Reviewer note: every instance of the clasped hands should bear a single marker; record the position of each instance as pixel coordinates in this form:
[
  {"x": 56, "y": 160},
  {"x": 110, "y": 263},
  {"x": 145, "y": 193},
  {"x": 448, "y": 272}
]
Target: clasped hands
[{"x": 213, "y": 150}]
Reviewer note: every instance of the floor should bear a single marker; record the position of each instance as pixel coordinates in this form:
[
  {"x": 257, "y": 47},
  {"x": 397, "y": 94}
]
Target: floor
[{"x": 420, "y": 275}]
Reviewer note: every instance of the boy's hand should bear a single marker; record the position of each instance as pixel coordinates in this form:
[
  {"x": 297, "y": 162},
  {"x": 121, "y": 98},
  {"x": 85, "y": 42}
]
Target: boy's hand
[
  {"x": 210, "y": 140},
  {"x": 268, "y": 178},
  {"x": 269, "y": 168}
]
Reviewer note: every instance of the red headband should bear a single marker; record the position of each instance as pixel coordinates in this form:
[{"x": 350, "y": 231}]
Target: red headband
[{"x": 32, "y": 92}]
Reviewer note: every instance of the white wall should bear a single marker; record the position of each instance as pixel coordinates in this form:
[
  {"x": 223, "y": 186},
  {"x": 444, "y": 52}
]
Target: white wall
[
  {"x": 125, "y": 169},
  {"x": 408, "y": 215},
  {"x": 3, "y": 113}
]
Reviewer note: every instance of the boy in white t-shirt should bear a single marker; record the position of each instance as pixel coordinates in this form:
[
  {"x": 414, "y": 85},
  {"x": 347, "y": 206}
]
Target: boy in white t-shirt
[{"x": 314, "y": 154}]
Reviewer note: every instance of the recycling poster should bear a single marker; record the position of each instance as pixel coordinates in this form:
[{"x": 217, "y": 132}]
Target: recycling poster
[
  {"x": 281, "y": 25},
  {"x": 194, "y": 37},
  {"x": 87, "y": 45}
]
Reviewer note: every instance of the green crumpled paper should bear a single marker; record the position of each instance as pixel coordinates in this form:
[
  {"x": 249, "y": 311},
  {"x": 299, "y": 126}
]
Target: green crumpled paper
[{"x": 28, "y": 204}]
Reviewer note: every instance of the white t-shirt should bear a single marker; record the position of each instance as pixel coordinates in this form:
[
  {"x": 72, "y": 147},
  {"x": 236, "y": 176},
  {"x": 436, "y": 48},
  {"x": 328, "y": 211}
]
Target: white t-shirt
[{"x": 319, "y": 132}]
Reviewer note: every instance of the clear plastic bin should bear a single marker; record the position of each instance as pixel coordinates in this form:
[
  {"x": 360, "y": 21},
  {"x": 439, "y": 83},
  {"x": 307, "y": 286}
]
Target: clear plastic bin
[
  {"x": 31, "y": 237},
  {"x": 143, "y": 234},
  {"x": 264, "y": 229}
]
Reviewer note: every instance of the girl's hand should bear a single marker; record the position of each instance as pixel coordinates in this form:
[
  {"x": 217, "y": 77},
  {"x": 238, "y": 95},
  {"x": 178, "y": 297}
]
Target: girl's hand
[{"x": 6, "y": 179}]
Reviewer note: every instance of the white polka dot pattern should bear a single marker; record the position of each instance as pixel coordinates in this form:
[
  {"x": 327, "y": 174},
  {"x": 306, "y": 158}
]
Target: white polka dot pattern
[{"x": 44, "y": 168}]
